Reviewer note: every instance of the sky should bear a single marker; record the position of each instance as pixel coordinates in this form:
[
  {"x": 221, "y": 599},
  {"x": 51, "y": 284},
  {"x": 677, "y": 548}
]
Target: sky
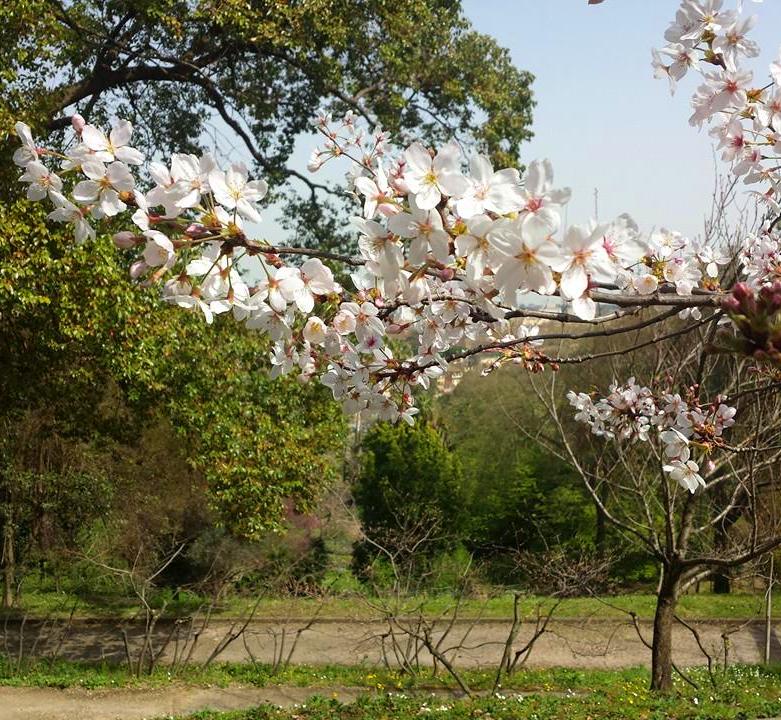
[{"x": 601, "y": 118}]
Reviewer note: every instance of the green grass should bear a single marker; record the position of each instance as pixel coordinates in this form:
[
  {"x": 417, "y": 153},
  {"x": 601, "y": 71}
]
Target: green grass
[
  {"x": 741, "y": 693},
  {"x": 45, "y": 602},
  {"x": 66, "y": 674}
]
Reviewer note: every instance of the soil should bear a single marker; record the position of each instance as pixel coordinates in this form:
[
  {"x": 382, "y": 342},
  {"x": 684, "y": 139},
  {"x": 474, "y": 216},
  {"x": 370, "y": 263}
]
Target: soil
[
  {"x": 576, "y": 643},
  {"x": 54, "y": 704}
]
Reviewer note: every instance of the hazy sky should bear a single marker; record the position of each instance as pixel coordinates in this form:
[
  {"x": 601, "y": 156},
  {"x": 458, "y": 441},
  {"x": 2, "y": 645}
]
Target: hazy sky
[{"x": 601, "y": 117}]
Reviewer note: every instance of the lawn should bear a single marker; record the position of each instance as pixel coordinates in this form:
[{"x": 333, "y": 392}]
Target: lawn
[
  {"x": 628, "y": 702},
  {"x": 740, "y": 692},
  {"x": 46, "y": 602}
]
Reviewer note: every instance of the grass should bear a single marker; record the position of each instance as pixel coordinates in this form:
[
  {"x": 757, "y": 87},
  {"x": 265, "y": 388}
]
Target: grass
[
  {"x": 627, "y": 703},
  {"x": 93, "y": 676},
  {"x": 44, "y": 601},
  {"x": 741, "y": 692}
]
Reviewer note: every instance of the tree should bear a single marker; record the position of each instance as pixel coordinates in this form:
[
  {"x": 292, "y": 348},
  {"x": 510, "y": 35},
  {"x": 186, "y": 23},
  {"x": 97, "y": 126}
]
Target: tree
[
  {"x": 448, "y": 258},
  {"x": 83, "y": 375},
  {"x": 731, "y": 520},
  {"x": 261, "y": 69},
  {"x": 410, "y": 487},
  {"x": 520, "y": 498}
]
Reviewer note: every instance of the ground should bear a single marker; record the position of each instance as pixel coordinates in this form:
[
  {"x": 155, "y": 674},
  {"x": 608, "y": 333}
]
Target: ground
[
  {"x": 588, "y": 643},
  {"x": 590, "y": 664},
  {"x": 47, "y": 603}
]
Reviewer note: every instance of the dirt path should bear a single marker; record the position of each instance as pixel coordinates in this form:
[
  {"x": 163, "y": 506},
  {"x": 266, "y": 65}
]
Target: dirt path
[
  {"x": 53, "y": 704},
  {"x": 587, "y": 643}
]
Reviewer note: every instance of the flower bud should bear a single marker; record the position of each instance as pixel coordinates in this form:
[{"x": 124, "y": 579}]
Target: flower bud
[
  {"x": 125, "y": 240},
  {"x": 447, "y": 274},
  {"x": 742, "y": 291},
  {"x": 195, "y": 230},
  {"x": 138, "y": 268},
  {"x": 78, "y": 123},
  {"x": 274, "y": 260}
]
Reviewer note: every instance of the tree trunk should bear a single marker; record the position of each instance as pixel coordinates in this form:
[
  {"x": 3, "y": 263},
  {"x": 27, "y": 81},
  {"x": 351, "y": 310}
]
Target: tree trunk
[
  {"x": 600, "y": 531},
  {"x": 662, "y": 645},
  {"x": 9, "y": 562},
  {"x": 721, "y": 578}
]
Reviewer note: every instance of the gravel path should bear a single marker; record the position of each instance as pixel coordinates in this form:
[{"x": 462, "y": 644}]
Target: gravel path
[
  {"x": 78, "y": 704},
  {"x": 586, "y": 643}
]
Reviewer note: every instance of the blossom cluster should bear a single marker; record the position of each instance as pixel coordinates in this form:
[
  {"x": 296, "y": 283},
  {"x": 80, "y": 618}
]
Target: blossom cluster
[
  {"x": 634, "y": 412},
  {"x": 451, "y": 251},
  {"x": 744, "y": 116}
]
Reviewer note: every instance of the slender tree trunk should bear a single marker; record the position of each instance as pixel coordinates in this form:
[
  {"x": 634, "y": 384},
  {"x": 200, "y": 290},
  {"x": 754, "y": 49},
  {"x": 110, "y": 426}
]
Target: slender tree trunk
[
  {"x": 9, "y": 562},
  {"x": 600, "y": 530},
  {"x": 721, "y": 578},
  {"x": 662, "y": 645}
]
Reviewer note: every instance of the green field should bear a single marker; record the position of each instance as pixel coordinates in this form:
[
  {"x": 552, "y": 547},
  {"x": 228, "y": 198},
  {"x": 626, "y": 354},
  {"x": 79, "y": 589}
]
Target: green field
[
  {"x": 740, "y": 692},
  {"x": 40, "y": 603}
]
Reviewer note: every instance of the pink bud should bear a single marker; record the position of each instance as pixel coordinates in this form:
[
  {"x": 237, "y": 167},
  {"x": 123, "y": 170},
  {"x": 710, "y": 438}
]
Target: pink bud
[
  {"x": 125, "y": 240},
  {"x": 274, "y": 260},
  {"x": 137, "y": 269},
  {"x": 710, "y": 466},
  {"x": 78, "y": 123},
  {"x": 741, "y": 291},
  {"x": 195, "y": 230},
  {"x": 447, "y": 274}
]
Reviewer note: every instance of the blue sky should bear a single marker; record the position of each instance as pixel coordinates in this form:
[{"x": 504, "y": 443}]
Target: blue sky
[{"x": 601, "y": 117}]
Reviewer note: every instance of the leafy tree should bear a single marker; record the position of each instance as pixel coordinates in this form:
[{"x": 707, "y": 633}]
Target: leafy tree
[
  {"x": 410, "y": 491},
  {"x": 93, "y": 359},
  {"x": 520, "y": 497},
  {"x": 262, "y": 68}
]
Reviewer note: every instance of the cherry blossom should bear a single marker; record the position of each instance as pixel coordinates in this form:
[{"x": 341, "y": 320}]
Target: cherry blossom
[
  {"x": 581, "y": 254},
  {"x": 426, "y": 230},
  {"x": 686, "y": 473},
  {"x": 523, "y": 262},
  {"x": 379, "y": 195},
  {"x": 104, "y": 186},
  {"x": 28, "y": 152},
  {"x": 496, "y": 192},
  {"x": 115, "y": 146},
  {"x": 541, "y": 202},
  {"x": 429, "y": 178},
  {"x": 455, "y": 258},
  {"x": 42, "y": 181},
  {"x": 234, "y": 191},
  {"x": 67, "y": 212}
]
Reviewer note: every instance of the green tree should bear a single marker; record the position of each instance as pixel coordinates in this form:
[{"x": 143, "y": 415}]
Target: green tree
[
  {"x": 520, "y": 497},
  {"x": 262, "y": 68},
  {"x": 409, "y": 491},
  {"x": 95, "y": 358}
]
